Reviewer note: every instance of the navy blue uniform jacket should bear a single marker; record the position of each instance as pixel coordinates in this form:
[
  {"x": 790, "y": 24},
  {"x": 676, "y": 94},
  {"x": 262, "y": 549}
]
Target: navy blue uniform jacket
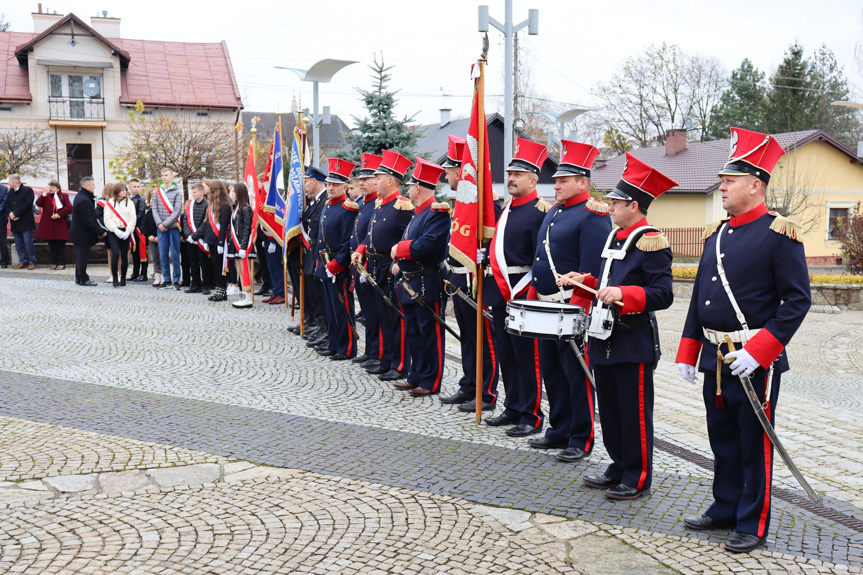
[
  {"x": 424, "y": 246},
  {"x": 334, "y": 239}
]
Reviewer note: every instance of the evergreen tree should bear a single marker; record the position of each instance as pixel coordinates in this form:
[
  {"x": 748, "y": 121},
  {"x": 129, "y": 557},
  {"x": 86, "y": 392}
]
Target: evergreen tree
[
  {"x": 742, "y": 104},
  {"x": 380, "y": 129},
  {"x": 831, "y": 86},
  {"x": 791, "y": 99}
]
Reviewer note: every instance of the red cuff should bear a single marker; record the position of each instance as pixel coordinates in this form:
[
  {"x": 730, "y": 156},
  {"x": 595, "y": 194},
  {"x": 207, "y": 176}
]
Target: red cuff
[
  {"x": 335, "y": 268},
  {"x": 634, "y": 299},
  {"x": 531, "y": 293},
  {"x": 764, "y": 347},
  {"x": 688, "y": 351},
  {"x": 582, "y": 301},
  {"x": 361, "y": 249},
  {"x": 590, "y": 281},
  {"x": 403, "y": 250}
]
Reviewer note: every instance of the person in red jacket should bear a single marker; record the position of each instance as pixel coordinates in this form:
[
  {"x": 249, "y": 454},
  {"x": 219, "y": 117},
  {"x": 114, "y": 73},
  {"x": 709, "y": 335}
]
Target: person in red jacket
[{"x": 54, "y": 225}]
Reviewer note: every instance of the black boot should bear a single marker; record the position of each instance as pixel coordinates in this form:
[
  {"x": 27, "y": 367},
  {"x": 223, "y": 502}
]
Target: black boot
[
  {"x": 114, "y": 279},
  {"x": 123, "y": 276},
  {"x": 143, "y": 276}
]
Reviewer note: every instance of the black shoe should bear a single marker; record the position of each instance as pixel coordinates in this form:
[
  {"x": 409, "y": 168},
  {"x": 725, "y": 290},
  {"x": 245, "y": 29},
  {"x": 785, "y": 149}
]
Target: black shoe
[
  {"x": 600, "y": 481},
  {"x": 115, "y": 283},
  {"x": 205, "y": 290},
  {"x": 326, "y": 353},
  {"x": 140, "y": 278},
  {"x": 87, "y": 283},
  {"x": 193, "y": 290},
  {"x": 322, "y": 346},
  {"x": 265, "y": 291},
  {"x": 370, "y": 363},
  {"x": 458, "y": 397},
  {"x": 743, "y": 542},
  {"x": 470, "y": 406},
  {"x": 523, "y": 430},
  {"x": 571, "y": 454},
  {"x": 122, "y": 282},
  {"x": 393, "y": 375},
  {"x": 545, "y": 443},
  {"x": 339, "y": 357},
  {"x": 502, "y": 419},
  {"x": 623, "y": 492},
  {"x": 164, "y": 285},
  {"x": 294, "y": 329},
  {"x": 360, "y": 359},
  {"x": 313, "y": 342},
  {"x": 178, "y": 287},
  {"x": 378, "y": 370},
  {"x": 705, "y": 523}
]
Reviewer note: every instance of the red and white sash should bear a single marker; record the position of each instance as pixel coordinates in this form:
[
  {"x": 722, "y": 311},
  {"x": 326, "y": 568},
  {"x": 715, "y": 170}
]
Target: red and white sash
[
  {"x": 212, "y": 219},
  {"x": 190, "y": 217},
  {"x": 246, "y": 276},
  {"x": 116, "y": 213},
  {"x": 164, "y": 199},
  {"x": 58, "y": 202},
  {"x": 498, "y": 261}
]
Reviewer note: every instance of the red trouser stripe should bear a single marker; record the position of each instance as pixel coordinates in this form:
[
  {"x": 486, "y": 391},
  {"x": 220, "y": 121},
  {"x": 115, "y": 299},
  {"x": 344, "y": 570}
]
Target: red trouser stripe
[
  {"x": 589, "y": 443},
  {"x": 768, "y": 468},
  {"x": 538, "y": 382},
  {"x": 642, "y": 431},
  {"x": 439, "y": 343},
  {"x": 493, "y": 359},
  {"x": 380, "y": 343},
  {"x": 348, "y": 311}
]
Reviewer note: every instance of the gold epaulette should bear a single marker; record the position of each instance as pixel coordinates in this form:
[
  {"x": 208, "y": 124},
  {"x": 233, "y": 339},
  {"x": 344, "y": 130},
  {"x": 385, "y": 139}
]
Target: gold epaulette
[
  {"x": 711, "y": 228},
  {"x": 596, "y": 206},
  {"x": 505, "y": 204},
  {"x": 402, "y": 203},
  {"x": 351, "y": 205},
  {"x": 441, "y": 206},
  {"x": 652, "y": 243},
  {"x": 542, "y": 205},
  {"x": 787, "y": 227},
  {"x": 494, "y": 196},
  {"x": 378, "y": 203}
]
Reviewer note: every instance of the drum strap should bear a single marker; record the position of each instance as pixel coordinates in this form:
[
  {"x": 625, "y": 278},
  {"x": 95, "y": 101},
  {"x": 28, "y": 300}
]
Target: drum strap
[{"x": 551, "y": 263}]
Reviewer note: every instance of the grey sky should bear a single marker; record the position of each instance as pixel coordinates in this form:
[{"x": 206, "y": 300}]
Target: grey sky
[{"x": 432, "y": 44}]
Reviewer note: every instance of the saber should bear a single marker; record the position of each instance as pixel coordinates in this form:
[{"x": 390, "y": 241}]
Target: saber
[
  {"x": 370, "y": 278},
  {"x": 467, "y": 299},
  {"x": 580, "y": 358},
  {"x": 758, "y": 408},
  {"x": 418, "y": 298},
  {"x": 344, "y": 305}
]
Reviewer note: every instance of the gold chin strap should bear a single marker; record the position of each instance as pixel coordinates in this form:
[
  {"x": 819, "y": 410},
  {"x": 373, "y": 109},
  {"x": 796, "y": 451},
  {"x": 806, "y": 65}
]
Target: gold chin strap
[{"x": 720, "y": 359}]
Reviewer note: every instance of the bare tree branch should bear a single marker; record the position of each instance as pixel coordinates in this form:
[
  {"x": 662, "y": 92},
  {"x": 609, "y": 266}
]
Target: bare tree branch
[{"x": 26, "y": 151}]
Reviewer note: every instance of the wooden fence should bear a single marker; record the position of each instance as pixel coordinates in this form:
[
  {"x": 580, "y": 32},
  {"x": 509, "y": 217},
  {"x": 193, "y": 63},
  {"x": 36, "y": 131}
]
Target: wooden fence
[{"x": 686, "y": 242}]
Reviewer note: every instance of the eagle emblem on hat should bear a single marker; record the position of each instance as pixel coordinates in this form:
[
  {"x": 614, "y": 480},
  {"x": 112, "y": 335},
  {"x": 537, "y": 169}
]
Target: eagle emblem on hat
[
  {"x": 516, "y": 148},
  {"x": 336, "y": 166},
  {"x": 734, "y": 137},
  {"x": 564, "y": 150}
]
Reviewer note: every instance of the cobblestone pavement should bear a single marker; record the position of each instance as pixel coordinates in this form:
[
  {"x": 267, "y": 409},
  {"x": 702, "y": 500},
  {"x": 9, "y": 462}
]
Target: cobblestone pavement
[{"x": 215, "y": 396}]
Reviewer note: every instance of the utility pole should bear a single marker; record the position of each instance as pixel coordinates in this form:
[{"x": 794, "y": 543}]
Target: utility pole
[
  {"x": 515, "y": 90},
  {"x": 509, "y": 31}
]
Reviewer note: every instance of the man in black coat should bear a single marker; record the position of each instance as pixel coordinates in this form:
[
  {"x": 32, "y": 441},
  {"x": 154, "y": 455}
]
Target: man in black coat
[
  {"x": 315, "y": 312},
  {"x": 85, "y": 230},
  {"x": 4, "y": 220},
  {"x": 19, "y": 206}
]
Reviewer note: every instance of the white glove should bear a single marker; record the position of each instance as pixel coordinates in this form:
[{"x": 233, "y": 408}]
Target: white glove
[
  {"x": 118, "y": 233},
  {"x": 687, "y": 372},
  {"x": 480, "y": 256},
  {"x": 363, "y": 278},
  {"x": 330, "y": 275},
  {"x": 271, "y": 249},
  {"x": 190, "y": 240},
  {"x": 242, "y": 254},
  {"x": 126, "y": 234},
  {"x": 744, "y": 364},
  {"x": 220, "y": 249}
]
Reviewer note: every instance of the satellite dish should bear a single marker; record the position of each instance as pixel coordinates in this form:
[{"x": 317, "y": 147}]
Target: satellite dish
[
  {"x": 687, "y": 123},
  {"x": 91, "y": 88}
]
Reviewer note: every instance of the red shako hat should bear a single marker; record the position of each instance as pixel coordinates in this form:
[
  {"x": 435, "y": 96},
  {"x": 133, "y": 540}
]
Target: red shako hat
[
  {"x": 393, "y": 164},
  {"x": 340, "y": 171},
  {"x": 454, "y": 151},
  {"x": 640, "y": 182},
  {"x": 752, "y": 153},
  {"x": 576, "y": 159},
  {"x": 426, "y": 174},
  {"x": 368, "y": 164},
  {"x": 528, "y": 157}
]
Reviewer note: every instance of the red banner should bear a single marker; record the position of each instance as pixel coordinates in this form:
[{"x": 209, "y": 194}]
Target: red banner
[{"x": 466, "y": 222}]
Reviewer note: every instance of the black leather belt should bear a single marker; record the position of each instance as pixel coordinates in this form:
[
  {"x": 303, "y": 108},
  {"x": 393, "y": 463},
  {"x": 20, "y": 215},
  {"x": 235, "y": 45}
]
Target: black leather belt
[{"x": 419, "y": 273}]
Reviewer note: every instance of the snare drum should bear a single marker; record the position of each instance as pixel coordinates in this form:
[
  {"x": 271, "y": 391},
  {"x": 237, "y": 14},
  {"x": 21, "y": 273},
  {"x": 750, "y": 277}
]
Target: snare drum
[{"x": 545, "y": 319}]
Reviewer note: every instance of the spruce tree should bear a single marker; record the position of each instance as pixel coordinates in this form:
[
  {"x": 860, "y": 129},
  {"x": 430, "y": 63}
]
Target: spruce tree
[
  {"x": 380, "y": 129},
  {"x": 743, "y": 104},
  {"x": 791, "y": 98}
]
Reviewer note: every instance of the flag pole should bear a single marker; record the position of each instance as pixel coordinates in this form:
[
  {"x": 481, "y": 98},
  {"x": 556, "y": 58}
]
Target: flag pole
[
  {"x": 480, "y": 268},
  {"x": 284, "y": 243},
  {"x": 249, "y": 259},
  {"x": 302, "y": 133}
]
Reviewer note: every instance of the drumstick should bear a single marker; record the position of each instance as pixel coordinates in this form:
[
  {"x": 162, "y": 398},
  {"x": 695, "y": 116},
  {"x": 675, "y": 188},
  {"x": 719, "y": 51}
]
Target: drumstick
[{"x": 571, "y": 281}]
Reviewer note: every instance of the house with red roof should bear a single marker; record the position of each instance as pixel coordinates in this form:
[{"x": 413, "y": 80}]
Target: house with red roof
[
  {"x": 79, "y": 80},
  {"x": 818, "y": 182}
]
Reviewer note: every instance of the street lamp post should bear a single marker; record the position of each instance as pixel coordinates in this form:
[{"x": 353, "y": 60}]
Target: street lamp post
[
  {"x": 321, "y": 71},
  {"x": 509, "y": 30},
  {"x": 562, "y": 119}
]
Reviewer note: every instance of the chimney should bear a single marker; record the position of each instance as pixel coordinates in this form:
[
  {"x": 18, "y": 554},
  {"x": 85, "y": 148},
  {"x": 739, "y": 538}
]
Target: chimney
[
  {"x": 42, "y": 20},
  {"x": 107, "y": 27},
  {"x": 445, "y": 114},
  {"x": 675, "y": 142}
]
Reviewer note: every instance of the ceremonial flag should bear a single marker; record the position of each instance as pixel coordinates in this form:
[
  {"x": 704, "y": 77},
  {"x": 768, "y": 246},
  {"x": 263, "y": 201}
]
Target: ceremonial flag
[
  {"x": 273, "y": 213},
  {"x": 468, "y": 226},
  {"x": 251, "y": 179},
  {"x": 295, "y": 200}
]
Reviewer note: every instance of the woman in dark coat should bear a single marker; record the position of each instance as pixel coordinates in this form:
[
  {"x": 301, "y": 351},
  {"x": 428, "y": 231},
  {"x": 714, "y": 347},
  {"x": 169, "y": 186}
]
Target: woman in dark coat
[
  {"x": 53, "y": 226},
  {"x": 239, "y": 246},
  {"x": 216, "y": 229}
]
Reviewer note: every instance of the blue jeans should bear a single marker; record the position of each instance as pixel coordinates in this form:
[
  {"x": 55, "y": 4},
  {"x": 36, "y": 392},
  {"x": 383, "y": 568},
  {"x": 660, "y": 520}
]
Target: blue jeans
[
  {"x": 274, "y": 264},
  {"x": 170, "y": 239},
  {"x": 24, "y": 246}
]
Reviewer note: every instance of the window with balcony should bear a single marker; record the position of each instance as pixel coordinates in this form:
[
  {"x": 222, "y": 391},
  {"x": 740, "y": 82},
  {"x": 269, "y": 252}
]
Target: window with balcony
[{"x": 76, "y": 97}]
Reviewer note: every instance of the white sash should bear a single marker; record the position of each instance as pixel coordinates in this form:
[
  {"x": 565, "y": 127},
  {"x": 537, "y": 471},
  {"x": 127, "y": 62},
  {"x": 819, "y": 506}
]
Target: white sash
[
  {"x": 190, "y": 217},
  {"x": 501, "y": 256}
]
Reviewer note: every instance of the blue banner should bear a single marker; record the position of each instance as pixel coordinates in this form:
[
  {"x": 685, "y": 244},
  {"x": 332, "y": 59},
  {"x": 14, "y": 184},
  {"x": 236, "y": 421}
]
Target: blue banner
[{"x": 295, "y": 198}]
